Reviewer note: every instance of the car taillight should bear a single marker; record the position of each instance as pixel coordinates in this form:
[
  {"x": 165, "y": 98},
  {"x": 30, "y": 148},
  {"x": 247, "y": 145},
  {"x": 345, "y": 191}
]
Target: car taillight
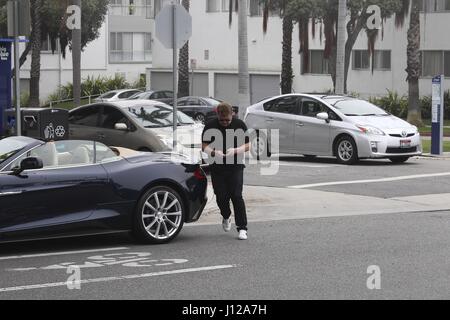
[{"x": 199, "y": 174}]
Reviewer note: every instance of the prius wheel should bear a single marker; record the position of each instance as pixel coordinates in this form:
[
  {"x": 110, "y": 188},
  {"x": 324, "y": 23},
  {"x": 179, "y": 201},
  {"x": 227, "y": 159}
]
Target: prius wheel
[
  {"x": 259, "y": 147},
  {"x": 199, "y": 117},
  {"x": 346, "y": 151},
  {"x": 399, "y": 159},
  {"x": 159, "y": 215}
]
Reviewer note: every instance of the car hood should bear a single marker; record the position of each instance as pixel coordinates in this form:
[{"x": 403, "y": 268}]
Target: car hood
[
  {"x": 189, "y": 136},
  {"x": 381, "y": 122}
]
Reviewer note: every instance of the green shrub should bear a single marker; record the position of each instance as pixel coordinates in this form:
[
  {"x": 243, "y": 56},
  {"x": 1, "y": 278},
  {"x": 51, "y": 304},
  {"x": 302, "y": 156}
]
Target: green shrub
[
  {"x": 425, "y": 105},
  {"x": 392, "y": 103}
]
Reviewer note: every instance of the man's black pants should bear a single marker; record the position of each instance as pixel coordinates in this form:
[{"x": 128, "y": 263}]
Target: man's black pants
[{"x": 228, "y": 185}]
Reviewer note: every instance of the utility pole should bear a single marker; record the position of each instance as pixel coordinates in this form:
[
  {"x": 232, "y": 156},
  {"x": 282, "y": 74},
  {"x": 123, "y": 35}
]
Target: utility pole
[{"x": 340, "y": 55}]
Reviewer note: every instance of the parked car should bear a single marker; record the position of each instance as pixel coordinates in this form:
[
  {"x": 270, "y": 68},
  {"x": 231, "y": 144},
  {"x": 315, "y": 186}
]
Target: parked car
[
  {"x": 161, "y": 95},
  {"x": 199, "y": 108},
  {"x": 70, "y": 188},
  {"x": 324, "y": 125},
  {"x": 116, "y": 95},
  {"x": 143, "y": 125}
]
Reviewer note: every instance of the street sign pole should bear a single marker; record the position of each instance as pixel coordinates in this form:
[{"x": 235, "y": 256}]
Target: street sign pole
[
  {"x": 17, "y": 68},
  {"x": 437, "y": 115},
  {"x": 174, "y": 72}
]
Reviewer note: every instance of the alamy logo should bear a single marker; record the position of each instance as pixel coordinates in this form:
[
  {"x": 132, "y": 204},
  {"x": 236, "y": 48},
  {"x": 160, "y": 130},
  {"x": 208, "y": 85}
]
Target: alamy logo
[
  {"x": 74, "y": 280},
  {"x": 74, "y": 19},
  {"x": 374, "y": 281},
  {"x": 374, "y": 21}
]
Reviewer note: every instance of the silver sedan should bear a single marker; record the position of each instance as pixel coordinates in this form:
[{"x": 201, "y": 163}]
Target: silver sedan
[{"x": 322, "y": 125}]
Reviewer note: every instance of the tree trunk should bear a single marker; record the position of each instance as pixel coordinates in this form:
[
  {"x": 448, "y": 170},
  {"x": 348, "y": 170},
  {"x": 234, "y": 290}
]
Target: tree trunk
[
  {"x": 286, "y": 64},
  {"x": 35, "y": 7},
  {"x": 340, "y": 48},
  {"x": 414, "y": 65},
  {"x": 183, "y": 65},
  {"x": 244, "y": 77},
  {"x": 76, "y": 61}
]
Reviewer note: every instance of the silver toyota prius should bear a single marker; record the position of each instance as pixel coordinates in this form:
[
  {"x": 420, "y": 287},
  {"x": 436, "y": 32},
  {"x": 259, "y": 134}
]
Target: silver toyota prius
[{"x": 323, "y": 125}]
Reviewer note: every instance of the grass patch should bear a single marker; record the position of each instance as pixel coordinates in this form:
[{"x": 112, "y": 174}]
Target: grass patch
[
  {"x": 426, "y": 145},
  {"x": 426, "y": 128}
]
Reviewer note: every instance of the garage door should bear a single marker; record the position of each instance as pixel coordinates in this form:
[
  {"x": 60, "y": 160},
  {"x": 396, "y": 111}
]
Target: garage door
[
  {"x": 263, "y": 86},
  {"x": 164, "y": 81},
  {"x": 226, "y": 88}
]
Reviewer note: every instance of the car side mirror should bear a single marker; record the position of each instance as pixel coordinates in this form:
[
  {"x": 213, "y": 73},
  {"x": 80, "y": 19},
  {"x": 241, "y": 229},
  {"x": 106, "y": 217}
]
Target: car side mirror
[
  {"x": 121, "y": 126},
  {"x": 323, "y": 116},
  {"x": 30, "y": 163}
]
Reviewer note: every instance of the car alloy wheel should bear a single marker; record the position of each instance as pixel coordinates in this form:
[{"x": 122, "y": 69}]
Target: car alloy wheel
[
  {"x": 259, "y": 146},
  {"x": 160, "y": 215},
  {"x": 346, "y": 151},
  {"x": 199, "y": 117}
]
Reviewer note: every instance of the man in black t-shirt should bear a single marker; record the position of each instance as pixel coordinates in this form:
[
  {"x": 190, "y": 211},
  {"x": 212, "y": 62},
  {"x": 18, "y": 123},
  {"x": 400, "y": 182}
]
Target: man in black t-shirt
[{"x": 226, "y": 141}]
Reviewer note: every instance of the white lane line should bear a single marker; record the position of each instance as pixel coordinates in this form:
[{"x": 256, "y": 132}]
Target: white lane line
[
  {"x": 289, "y": 164},
  {"x": 109, "y": 279},
  {"x": 417, "y": 176},
  {"x": 61, "y": 253}
]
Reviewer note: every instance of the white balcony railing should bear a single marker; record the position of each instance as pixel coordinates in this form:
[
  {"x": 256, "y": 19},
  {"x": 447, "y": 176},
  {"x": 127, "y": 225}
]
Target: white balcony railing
[{"x": 131, "y": 10}]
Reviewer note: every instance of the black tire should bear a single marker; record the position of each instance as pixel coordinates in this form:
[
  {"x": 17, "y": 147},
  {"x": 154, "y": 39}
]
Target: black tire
[
  {"x": 346, "y": 151},
  {"x": 200, "y": 117},
  {"x": 399, "y": 159},
  {"x": 163, "y": 218},
  {"x": 259, "y": 146}
]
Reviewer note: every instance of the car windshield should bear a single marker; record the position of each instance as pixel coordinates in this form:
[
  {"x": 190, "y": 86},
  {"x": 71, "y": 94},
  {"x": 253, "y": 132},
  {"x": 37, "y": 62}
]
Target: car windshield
[
  {"x": 359, "y": 108},
  {"x": 156, "y": 116},
  {"x": 137, "y": 95},
  {"x": 212, "y": 102},
  {"x": 108, "y": 95},
  {"x": 9, "y": 147}
]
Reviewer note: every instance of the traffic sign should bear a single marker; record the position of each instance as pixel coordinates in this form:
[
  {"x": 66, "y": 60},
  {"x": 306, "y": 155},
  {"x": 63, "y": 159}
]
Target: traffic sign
[{"x": 164, "y": 26}]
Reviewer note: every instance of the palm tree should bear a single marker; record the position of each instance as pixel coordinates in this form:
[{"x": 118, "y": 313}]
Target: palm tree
[
  {"x": 183, "y": 64},
  {"x": 35, "y": 8},
  {"x": 414, "y": 63},
  {"x": 76, "y": 61},
  {"x": 288, "y": 26},
  {"x": 244, "y": 77}
]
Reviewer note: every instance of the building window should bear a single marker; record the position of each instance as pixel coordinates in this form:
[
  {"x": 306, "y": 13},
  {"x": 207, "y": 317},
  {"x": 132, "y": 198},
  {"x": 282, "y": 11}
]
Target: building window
[
  {"x": 46, "y": 46},
  {"x": 435, "y": 5},
  {"x": 213, "y": 5},
  {"x": 129, "y": 47},
  {"x": 317, "y": 63},
  {"x": 361, "y": 60},
  {"x": 435, "y": 63},
  {"x": 256, "y": 8},
  {"x": 141, "y": 8},
  {"x": 382, "y": 60}
]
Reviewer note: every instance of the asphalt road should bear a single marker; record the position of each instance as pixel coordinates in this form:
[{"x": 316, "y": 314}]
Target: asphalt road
[
  {"x": 326, "y": 258},
  {"x": 418, "y": 176}
]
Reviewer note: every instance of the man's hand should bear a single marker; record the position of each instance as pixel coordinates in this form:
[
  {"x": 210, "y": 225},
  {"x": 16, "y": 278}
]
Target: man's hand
[
  {"x": 219, "y": 153},
  {"x": 230, "y": 152}
]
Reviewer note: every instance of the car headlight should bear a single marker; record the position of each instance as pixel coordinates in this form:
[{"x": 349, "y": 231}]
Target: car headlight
[
  {"x": 370, "y": 130},
  {"x": 416, "y": 130}
]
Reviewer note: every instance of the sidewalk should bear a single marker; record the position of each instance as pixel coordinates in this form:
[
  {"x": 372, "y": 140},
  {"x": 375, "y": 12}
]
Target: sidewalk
[{"x": 270, "y": 204}]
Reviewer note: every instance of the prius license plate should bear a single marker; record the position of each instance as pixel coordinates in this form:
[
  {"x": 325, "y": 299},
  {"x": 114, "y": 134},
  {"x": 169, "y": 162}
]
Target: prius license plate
[{"x": 405, "y": 143}]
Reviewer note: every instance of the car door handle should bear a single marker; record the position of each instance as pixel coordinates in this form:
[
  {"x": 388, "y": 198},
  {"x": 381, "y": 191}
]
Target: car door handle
[
  {"x": 10, "y": 193},
  {"x": 299, "y": 124},
  {"x": 269, "y": 120},
  {"x": 101, "y": 136}
]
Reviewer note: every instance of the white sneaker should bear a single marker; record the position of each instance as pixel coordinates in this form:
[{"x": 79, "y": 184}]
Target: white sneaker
[
  {"x": 226, "y": 224},
  {"x": 243, "y": 235}
]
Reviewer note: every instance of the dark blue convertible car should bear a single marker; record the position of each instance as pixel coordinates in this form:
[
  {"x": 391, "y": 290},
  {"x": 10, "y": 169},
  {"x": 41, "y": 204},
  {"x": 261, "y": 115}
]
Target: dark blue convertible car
[{"x": 70, "y": 187}]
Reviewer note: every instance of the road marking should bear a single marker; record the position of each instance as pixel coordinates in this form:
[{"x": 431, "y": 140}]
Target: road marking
[
  {"x": 290, "y": 164},
  {"x": 60, "y": 253},
  {"x": 323, "y": 184},
  {"x": 109, "y": 279}
]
